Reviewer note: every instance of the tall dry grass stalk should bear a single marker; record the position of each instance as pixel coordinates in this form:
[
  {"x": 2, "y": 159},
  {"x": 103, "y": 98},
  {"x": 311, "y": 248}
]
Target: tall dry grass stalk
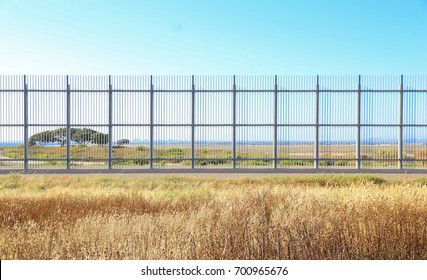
[{"x": 315, "y": 217}]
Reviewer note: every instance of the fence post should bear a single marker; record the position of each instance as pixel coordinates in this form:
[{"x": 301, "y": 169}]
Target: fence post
[
  {"x": 151, "y": 121},
  {"x": 275, "y": 124},
  {"x": 68, "y": 135},
  {"x": 110, "y": 123},
  {"x": 25, "y": 123},
  {"x": 316, "y": 135},
  {"x": 234, "y": 122},
  {"x": 400, "y": 141},
  {"x": 359, "y": 89},
  {"x": 192, "y": 120}
]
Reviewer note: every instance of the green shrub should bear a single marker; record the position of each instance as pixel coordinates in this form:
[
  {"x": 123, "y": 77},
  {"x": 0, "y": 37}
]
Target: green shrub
[
  {"x": 141, "y": 162},
  {"x": 142, "y": 148},
  {"x": 174, "y": 152}
]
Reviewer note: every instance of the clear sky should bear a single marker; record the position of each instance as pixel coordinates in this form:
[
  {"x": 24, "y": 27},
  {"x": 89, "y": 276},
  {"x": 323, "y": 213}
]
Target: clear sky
[{"x": 213, "y": 37}]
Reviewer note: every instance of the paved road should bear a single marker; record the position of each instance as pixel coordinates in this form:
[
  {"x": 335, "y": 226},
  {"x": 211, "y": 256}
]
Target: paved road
[{"x": 205, "y": 175}]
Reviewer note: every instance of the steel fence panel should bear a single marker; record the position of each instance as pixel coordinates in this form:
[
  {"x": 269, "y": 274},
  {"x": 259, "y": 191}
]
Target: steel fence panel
[{"x": 226, "y": 122}]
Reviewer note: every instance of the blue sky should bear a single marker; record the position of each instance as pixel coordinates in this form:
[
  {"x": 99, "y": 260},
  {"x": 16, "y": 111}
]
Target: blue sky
[{"x": 213, "y": 37}]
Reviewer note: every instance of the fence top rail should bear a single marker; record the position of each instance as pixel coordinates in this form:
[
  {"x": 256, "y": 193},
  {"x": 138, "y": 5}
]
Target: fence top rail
[
  {"x": 215, "y": 83},
  {"x": 267, "y": 90}
]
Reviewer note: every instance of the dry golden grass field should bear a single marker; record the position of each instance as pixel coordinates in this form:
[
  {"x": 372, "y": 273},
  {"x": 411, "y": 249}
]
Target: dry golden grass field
[{"x": 298, "y": 217}]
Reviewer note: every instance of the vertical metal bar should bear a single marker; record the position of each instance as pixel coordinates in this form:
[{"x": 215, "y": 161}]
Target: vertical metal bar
[
  {"x": 192, "y": 120},
  {"x": 316, "y": 134},
  {"x": 275, "y": 125},
  {"x": 234, "y": 123},
  {"x": 68, "y": 130},
  {"x": 25, "y": 123},
  {"x": 359, "y": 89},
  {"x": 151, "y": 121},
  {"x": 400, "y": 141},
  {"x": 110, "y": 123}
]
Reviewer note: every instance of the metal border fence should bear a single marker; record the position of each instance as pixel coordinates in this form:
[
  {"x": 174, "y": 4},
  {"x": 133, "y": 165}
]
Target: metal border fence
[{"x": 218, "y": 122}]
